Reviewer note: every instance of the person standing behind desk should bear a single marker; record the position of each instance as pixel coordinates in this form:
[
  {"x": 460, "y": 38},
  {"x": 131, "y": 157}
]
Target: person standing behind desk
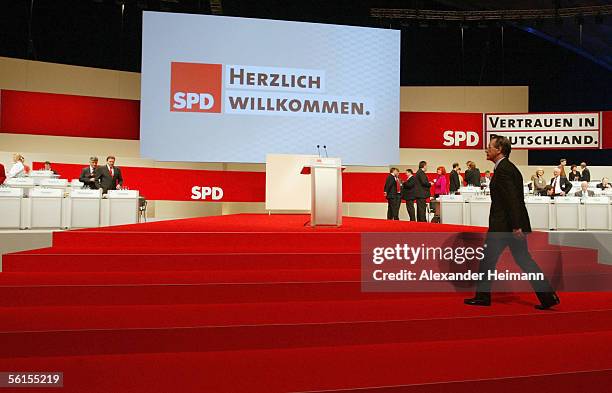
[
  {"x": 472, "y": 175},
  {"x": 560, "y": 185},
  {"x": 18, "y": 169},
  {"x": 538, "y": 182},
  {"x": 455, "y": 183},
  {"x": 508, "y": 226},
  {"x": 408, "y": 193},
  {"x": 393, "y": 189},
  {"x": 88, "y": 174},
  {"x": 109, "y": 176},
  {"x": 574, "y": 175},
  {"x": 586, "y": 174},
  {"x": 422, "y": 190}
]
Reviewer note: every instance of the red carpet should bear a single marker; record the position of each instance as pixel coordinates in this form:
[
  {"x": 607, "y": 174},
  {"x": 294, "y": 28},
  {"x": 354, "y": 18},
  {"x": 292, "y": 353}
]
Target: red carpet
[{"x": 257, "y": 303}]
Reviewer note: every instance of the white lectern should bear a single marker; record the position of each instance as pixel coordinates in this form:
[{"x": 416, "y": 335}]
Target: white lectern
[
  {"x": 85, "y": 208},
  {"x": 325, "y": 191},
  {"x": 120, "y": 207}
]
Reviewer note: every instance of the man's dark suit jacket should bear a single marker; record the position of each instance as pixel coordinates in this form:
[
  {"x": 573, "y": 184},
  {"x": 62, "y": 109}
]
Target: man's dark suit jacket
[
  {"x": 422, "y": 186},
  {"x": 106, "y": 181},
  {"x": 408, "y": 189},
  {"x": 586, "y": 175},
  {"x": 454, "y": 181},
  {"x": 85, "y": 178},
  {"x": 391, "y": 187},
  {"x": 565, "y": 184},
  {"x": 472, "y": 177},
  {"x": 508, "y": 210}
]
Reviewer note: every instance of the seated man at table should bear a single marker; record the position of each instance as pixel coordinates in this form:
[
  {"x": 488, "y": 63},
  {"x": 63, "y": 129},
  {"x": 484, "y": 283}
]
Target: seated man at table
[
  {"x": 584, "y": 190},
  {"x": 605, "y": 184}
]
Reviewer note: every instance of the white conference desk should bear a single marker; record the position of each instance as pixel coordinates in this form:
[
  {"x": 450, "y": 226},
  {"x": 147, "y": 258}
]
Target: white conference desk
[
  {"x": 561, "y": 213},
  {"x": 32, "y": 207}
]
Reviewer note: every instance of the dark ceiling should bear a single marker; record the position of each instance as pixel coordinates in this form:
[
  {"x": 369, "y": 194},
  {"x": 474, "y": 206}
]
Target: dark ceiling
[{"x": 567, "y": 65}]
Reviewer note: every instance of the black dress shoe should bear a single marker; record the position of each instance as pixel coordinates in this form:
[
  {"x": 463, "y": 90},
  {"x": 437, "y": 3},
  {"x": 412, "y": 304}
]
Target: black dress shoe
[
  {"x": 549, "y": 302},
  {"x": 477, "y": 301}
]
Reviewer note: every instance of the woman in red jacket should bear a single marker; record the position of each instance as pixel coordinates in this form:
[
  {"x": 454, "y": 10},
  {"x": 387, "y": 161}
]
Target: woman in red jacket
[{"x": 441, "y": 183}]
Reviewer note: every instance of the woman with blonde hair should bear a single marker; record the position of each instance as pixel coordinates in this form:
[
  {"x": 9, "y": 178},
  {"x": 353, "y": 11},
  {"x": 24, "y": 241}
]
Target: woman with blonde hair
[
  {"x": 18, "y": 169},
  {"x": 538, "y": 182}
]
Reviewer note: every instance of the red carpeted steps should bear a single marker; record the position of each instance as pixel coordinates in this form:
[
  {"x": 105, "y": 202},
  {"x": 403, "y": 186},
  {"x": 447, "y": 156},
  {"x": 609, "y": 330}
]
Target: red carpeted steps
[
  {"x": 255, "y": 303},
  {"x": 334, "y": 367}
]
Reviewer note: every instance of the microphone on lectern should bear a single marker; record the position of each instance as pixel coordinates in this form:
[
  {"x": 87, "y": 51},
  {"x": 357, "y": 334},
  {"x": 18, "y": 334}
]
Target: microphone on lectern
[
  {"x": 325, "y": 148},
  {"x": 319, "y": 150}
]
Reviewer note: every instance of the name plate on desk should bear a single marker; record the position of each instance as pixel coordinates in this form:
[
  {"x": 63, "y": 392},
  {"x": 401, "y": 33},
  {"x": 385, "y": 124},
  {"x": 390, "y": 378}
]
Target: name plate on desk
[
  {"x": 481, "y": 198},
  {"x": 568, "y": 200},
  {"x": 538, "y": 199},
  {"x": 123, "y": 194},
  {"x": 601, "y": 200},
  {"x": 76, "y": 183},
  {"x": 20, "y": 182},
  {"x": 42, "y": 173},
  {"x": 54, "y": 182},
  {"x": 86, "y": 193},
  {"x": 453, "y": 198},
  {"x": 46, "y": 193},
  {"x": 9, "y": 192}
]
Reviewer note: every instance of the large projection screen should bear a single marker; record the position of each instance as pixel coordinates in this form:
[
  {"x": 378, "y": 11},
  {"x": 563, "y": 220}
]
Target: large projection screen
[{"x": 223, "y": 89}]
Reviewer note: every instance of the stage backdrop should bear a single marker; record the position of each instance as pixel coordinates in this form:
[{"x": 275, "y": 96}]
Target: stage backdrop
[{"x": 223, "y": 89}]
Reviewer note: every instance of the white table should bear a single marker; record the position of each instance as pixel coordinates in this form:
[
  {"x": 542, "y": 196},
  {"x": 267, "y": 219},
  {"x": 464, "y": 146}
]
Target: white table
[
  {"x": 85, "y": 207},
  {"x": 10, "y": 207},
  {"x": 567, "y": 213},
  {"x": 45, "y": 208},
  {"x": 452, "y": 209},
  {"x": 597, "y": 213},
  {"x": 120, "y": 207},
  {"x": 479, "y": 208},
  {"x": 538, "y": 208}
]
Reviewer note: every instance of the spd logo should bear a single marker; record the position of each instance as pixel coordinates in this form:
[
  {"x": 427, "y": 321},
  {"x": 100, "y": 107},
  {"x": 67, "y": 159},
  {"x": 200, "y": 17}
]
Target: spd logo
[{"x": 195, "y": 87}]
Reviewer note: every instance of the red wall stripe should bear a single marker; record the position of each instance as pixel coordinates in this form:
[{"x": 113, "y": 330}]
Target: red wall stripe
[
  {"x": 23, "y": 112},
  {"x": 175, "y": 184}
]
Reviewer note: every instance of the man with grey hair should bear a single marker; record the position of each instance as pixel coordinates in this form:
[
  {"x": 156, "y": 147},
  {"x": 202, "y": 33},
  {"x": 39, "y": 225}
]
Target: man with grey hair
[
  {"x": 88, "y": 174},
  {"x": 584, "y": 190},
  {"x": 559, "y": 183},
  {"x": 585, "y": 173}
]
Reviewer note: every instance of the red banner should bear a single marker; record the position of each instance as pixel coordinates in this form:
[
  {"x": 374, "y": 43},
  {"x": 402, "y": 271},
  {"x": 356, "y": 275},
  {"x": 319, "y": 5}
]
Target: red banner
[{"x": 441, "y": 130}]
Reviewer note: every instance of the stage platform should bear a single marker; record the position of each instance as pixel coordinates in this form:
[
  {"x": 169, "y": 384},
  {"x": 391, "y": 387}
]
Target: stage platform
[{"x": 265, "y": 303}]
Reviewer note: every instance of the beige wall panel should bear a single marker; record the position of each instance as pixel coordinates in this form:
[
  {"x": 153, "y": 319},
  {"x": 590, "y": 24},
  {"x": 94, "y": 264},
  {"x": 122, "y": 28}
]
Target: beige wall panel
[
  {"x": 13, "y": 74},
  {"x": 244, "y": 167},
  {"x": 129, "y": 85},
  {"x": 464, "y": 98},
  {"x": 69, "y": 145},
  {"x": 38, "y": 76},
  {"x": 439, "y": 157},
  {"x": 243, "y": 207},
  {"x": 516, "y": 99},
  {"x": 432, "y": 99},
  {"x": 369, "y": 210},
  {"x": 186, "y": 209}
]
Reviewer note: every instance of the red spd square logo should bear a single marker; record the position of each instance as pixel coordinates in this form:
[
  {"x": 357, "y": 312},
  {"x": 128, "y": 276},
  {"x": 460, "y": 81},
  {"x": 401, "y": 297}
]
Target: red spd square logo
[{"x": 195, "y": 87}]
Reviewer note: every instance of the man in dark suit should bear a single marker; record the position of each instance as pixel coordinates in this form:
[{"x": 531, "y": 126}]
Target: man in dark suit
[
  {"x": 508, "y": 226},
  {"x": 88, "y": 174},
  {"x": 584, "y": 190},
  {"x": 109, "y": 176},
  {"x": 408, "y": 193},
  {"x": 585, "y": 173},
  {"x": 393, "y": 188},
  {"x": 455, "y": 183},
  {"x": 422, "y": 191},
  {"x": 560, "y": 185}
]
